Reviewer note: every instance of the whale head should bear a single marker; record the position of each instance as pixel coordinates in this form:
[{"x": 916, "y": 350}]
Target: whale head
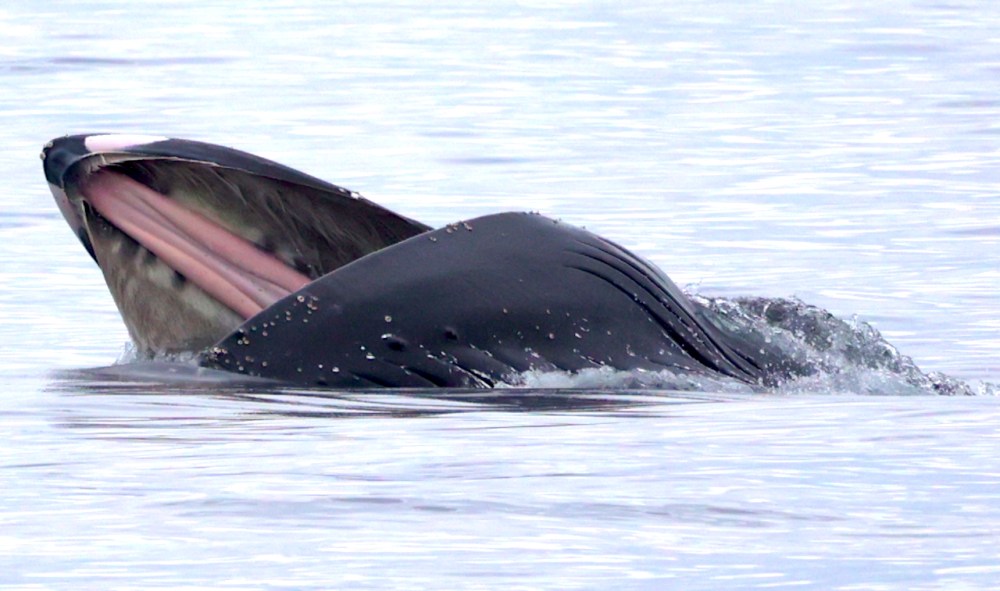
[{"x": 193, "y": 239}]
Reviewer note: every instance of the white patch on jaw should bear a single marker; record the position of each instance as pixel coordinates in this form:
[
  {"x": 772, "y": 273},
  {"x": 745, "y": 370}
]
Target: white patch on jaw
[
  {"x": 114, "y": 142},
  {"x": 159, "y": 273}
]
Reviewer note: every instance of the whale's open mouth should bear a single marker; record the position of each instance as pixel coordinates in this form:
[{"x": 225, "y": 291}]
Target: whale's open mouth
[
  {"x": 232, "y": 269},
  {"x": 194, "y": 239}
]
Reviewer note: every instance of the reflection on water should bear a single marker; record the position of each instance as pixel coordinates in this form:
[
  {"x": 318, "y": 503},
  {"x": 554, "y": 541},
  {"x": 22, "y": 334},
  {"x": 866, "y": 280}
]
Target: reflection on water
[
  {"x": 561, "y": 489},
  {"x": 157, "y": 384}
]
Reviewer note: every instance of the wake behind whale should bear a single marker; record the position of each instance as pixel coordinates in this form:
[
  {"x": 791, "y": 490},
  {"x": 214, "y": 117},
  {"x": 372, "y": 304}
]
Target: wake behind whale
[{"x": 261, "y": 270}]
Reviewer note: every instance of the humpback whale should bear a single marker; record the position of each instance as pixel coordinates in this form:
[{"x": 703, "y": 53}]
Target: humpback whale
[{"x": 263, "y": 270}]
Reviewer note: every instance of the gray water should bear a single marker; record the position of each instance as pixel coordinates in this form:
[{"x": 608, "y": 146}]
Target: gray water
[{"x": 847, "y": 154}]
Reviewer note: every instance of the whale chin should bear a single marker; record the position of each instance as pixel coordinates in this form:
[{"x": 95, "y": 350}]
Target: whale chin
[{"x": 194, "y": 239}]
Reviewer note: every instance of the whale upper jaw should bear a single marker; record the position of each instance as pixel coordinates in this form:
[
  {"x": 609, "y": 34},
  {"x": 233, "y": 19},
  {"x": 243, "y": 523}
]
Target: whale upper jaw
[
  {"x": 65, "y": 160},
  {"x": 193, "y": 239}
]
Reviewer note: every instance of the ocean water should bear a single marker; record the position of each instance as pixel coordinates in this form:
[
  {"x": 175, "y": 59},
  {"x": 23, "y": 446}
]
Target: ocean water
[{"x": 846, "y": 154}]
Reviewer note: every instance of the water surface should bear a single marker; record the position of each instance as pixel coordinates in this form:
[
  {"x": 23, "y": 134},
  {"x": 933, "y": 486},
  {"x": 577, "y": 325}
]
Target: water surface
[{"x": 844, "y": 153}]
